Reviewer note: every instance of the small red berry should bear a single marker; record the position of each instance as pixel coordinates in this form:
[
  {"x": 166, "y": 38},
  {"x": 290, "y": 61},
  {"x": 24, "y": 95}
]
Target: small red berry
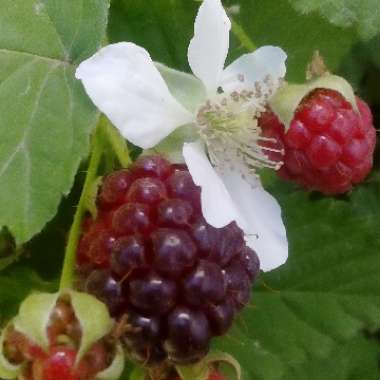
[
  {"x": 328, "y": 146},
  {"x": 147, "y": 190},
  {"x": 100, "y": 244},
  {"x": 216, "y": 376},
  {"x": 58, "y": 365},
  {"x": 131, "y": 218},
  {"x": 18, "y": 347},
  {"x": 114, "y": 188},
  {"x": 152, "y": 166}
]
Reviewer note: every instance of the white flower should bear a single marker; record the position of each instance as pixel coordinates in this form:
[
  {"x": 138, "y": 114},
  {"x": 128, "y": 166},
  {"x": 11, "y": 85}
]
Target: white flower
[{"x": 220, "y": 104}]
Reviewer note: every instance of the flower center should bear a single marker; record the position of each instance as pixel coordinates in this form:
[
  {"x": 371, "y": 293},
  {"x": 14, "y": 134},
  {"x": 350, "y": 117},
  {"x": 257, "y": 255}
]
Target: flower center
[{"x": 228, "y": 124}]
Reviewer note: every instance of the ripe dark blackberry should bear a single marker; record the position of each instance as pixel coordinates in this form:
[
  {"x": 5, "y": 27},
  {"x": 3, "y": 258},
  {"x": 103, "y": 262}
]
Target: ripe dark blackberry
[
  {"x": 154, "y": 259},
  {"x": 328, "y": 146}
]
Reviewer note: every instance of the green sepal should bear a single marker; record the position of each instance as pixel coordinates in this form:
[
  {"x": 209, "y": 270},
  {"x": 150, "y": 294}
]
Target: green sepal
[
  {"x": 218, "y": 357},
  {"x": 171, "y": 146},
  {"x": 114, "y": 143},
  {"x": 286, "y": 100},
  {"x": 35, "y": 311},
  {"x": 202, "y": 369},
  {"x": 91, "y": 197},
  {"x": 93, "y": 317},
  {"x": 186, "y": 88},
  {"x": 33, "y": 317},
  {"x": 8, "y": 370},
  {"x": 190, "y": 93},
  {"x": 114, "y": 371},
  {"x": 197, "y": 371}
]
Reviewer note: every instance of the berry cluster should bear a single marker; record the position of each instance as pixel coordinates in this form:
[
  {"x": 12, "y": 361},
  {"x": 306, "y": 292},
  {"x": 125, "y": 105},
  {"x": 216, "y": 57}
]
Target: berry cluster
[
  {"x": 152, "y": 258},
  {"x": 58, "y": 362},
  {"x": 329, "y": 146}
]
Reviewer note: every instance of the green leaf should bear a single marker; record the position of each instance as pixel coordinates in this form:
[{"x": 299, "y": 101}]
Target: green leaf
[
  {"x": 363, "y": 15},
  {"x": 45, "y": 117},
  {"x": 355, "y": 360},
  {"x": 153, "y": 25},
  {"x": 15, "y": 284},
  {"x": 275, "y": 22},
  {"x": 8, "y": 252},
  {"x": 164, "y": 28},
  {"x": 327, "y": 291}
]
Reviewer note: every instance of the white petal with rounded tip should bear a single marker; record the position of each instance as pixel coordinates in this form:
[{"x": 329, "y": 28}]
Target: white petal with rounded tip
[
  {"x": 266, "y": 232},
  {"x": 267, "y": 61},
  {"x": 124, "y": 84},
  {"x": 217, "y": 206},
  {"x": 209, "y": 47}
]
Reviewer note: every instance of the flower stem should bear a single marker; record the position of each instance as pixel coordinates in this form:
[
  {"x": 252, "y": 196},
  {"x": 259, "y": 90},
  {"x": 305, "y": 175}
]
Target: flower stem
[
  {"x": 117, "y": 142},
  {"x": 242, "y": 36},
  {"x": 67, "y": 277}
]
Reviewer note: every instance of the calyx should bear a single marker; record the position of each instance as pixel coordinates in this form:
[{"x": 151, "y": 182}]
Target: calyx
[
  {"x": 287, "y": 99},
  {"x": 65, "y": 319}
]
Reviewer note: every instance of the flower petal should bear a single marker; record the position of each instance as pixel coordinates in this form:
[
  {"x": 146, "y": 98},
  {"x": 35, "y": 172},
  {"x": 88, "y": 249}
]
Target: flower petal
[
  {"x": 123, "y": 82},
  {"x": 217, "y": 206},
  {"x": 266, "y": 232},
  {"x": 244, "y": 72},
  {"x": 209, "y": 47}
]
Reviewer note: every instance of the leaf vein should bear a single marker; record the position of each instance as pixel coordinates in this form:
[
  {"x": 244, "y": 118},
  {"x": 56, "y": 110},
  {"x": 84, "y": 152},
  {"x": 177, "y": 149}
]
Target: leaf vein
[
  {"x": 28, "y": 170},
  {"x": 77, "y": 28},
  {"x": 15, "y": 51},
  {"x": 59, "y": 38}
]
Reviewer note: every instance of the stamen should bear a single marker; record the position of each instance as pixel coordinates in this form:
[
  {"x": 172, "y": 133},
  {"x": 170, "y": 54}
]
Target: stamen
[{"x": 229, "y": 127}]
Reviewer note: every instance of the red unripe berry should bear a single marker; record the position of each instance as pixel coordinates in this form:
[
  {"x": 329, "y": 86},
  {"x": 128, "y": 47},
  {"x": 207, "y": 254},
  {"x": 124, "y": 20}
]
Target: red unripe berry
[
  {"x": 328, "y": 146},
  {"x": 114, "y": 188},
  {"x": 216, "y": 376},
  {"x": 147, "y": 190},
  {"x": 152, "y": 166},
  {"x": 131, "y": 218},
  {"x": 18, "y": 347},
  {"x": 58, "y": 365}
]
